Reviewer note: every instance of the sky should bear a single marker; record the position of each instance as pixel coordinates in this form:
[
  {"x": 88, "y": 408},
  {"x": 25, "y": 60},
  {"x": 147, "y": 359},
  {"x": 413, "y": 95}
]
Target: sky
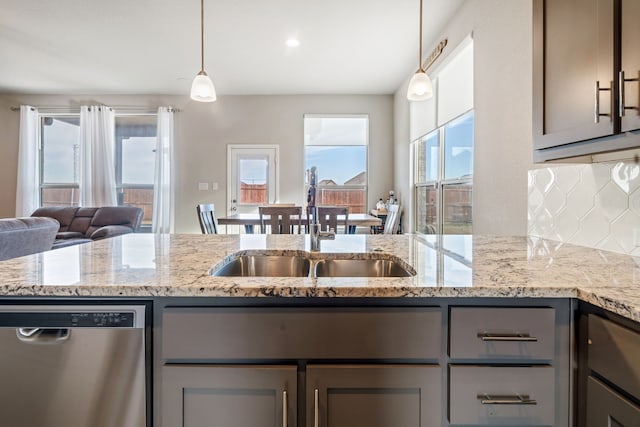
[
  {"x": 61, "y": 140},
  {"x": 337, "y": 163}
]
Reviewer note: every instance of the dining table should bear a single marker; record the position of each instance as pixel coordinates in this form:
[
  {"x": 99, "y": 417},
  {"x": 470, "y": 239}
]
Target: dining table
[{"x": 250, "y": 220}]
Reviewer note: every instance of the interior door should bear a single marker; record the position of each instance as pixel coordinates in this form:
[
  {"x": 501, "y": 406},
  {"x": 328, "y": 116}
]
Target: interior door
[{"x": 252, "y": 177}]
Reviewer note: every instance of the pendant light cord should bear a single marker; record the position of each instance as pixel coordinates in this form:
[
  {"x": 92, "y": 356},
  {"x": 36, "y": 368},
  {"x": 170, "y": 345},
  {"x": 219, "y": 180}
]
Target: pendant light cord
[
  {"x": 419, "y": 53},
  {"x": 202, "y": 34}
]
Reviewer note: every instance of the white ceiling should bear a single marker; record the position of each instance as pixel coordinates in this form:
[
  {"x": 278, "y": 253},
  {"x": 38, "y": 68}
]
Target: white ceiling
[{"x": 153, "y": 46}]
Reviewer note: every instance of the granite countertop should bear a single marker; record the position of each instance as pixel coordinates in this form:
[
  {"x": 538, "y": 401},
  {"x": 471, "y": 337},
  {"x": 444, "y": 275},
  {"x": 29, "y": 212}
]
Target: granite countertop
[{"x": 145, "y": 265}]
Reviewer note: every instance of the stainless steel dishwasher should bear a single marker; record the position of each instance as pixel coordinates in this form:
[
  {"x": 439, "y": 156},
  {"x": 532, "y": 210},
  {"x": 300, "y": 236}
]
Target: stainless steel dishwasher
[{"x": 72, "y": 366}]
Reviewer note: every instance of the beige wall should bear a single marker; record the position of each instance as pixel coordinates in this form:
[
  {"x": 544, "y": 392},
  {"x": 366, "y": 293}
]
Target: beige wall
[
  {"x": 502, "y": 96},
  {"x": 204, "y": 130}
]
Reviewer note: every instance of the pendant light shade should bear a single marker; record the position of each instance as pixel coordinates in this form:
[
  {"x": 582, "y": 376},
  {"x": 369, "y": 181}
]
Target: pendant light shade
[
  {"x": 202, "y": 88},
  {"x": 420, "y": 87}
]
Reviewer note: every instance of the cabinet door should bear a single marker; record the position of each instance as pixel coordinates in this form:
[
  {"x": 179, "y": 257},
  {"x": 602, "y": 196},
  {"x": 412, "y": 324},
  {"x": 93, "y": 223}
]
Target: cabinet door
[
  {"x": 373, "y": 396},
  {"x": 229, "y": 396},
  {"x": 573, "y": 50},
  {"x": 605, "y": 408},
  {"x": 630, "y": 44}
]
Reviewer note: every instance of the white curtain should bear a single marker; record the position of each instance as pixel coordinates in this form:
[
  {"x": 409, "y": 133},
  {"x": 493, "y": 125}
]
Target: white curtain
[
  {"x": 163, "y": 179},
  {"x": 97, "y": 152},
  {"x": 28, "y": 186}
]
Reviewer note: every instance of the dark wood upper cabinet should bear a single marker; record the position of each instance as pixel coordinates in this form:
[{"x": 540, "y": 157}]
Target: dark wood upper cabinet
[
  {"x": 580, "y": 49},
  {"x": 630, "y": 64}
]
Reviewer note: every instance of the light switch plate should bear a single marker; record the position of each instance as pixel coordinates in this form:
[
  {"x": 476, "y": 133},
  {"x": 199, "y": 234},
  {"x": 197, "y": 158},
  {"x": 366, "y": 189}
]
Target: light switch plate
[
  {"x": 214, "y": 186},
  {"x": 203, "y": 186}
]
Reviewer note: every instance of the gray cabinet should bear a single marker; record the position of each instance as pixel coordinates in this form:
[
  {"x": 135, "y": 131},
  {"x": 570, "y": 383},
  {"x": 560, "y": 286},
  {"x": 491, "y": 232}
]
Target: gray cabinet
[
  {"x": 508, "y": 366},
  {"x": 239, "y": 366},
  {"x": 229, "y": 396},
  {"x": 606, "y": 408},
  {"x": 451, "y": 363},
  {"x": 580, "y": 49},
  {"x": 499, "y": 395},
  {"x": 613, "y": 374},
  {"x": 373, "y": 396}
]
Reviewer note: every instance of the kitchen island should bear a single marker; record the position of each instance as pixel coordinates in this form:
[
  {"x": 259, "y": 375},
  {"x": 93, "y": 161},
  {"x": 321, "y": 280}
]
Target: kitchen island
[
  {"x": 142, "y": 265},
  {"x": 481, "y": 317}
]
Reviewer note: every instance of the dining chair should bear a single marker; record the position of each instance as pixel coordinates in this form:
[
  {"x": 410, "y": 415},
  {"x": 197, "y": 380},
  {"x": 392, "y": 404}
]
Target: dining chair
[
  {"x": 328, "y": 218},
  {"x": 207, "y": 218},
  {"x": 393, "y": 219},
  {"x": 281, "y": 219}
]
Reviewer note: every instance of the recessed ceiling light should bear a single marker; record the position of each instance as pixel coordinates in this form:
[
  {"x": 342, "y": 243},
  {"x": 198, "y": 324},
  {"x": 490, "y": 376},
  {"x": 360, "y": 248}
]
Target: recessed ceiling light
[{"x": 293, "y": 42}]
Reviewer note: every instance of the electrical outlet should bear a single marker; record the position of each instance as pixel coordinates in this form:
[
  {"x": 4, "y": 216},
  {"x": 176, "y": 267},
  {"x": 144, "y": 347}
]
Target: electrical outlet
[{"x": 203, "y": 186}]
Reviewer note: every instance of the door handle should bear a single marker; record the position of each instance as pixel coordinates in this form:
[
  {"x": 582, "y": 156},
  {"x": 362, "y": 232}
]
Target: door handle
[
  {"x": 43, "y": 335},
  {"x": 316, "y": 407},
  {"x": 284, "y": 409},
  {"x": 517, "y": 399},
  {"x": 597, "y": 114},
  {"x": 621, "y": 91},
  {"x": 507, "y": 337}
]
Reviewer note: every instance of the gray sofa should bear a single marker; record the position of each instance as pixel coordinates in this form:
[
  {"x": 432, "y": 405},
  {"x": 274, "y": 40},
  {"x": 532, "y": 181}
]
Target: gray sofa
[
  {"x": 81, "y": 225},
  {"x": 26, "y": 236}
]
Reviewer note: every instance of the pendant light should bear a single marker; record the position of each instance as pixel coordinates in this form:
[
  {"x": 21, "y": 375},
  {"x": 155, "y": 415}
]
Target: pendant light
[
  {"x": 202, "y": 89},
  {"x": 420, "y": 87}
]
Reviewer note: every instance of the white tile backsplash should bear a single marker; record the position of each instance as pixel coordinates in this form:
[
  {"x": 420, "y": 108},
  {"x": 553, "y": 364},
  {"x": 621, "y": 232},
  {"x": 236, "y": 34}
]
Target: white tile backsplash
[{"x": 596, "y": 205}]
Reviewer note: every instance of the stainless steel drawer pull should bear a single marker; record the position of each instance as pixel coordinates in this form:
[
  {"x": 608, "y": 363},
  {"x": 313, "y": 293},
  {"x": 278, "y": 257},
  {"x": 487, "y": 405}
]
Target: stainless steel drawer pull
[
  {"x": 507, "y": 337},
  {"x": 285, "y": 422},
  {"x": 518, "y": 399},
  {"x": 621, "y": 82},
  {"x": 597, "y": 114},
  {"x": 316, "y": 409}
]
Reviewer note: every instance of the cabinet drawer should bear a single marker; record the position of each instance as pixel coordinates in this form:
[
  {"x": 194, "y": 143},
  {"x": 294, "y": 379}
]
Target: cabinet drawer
[
  {"x": 607, "y": 408},
  {"x": 480, "y": 395},
  {"x": 502, "y": 333},
  {"x": 614, "y": 353},
  {"x": 301, "y": 333}
]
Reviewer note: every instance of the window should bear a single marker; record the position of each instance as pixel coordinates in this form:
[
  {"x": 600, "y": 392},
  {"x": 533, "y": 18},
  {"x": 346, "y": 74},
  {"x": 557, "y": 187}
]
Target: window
[
  {"x": 337, "y": 147},
  {"x": 59, "y": 160},
  {"x": 443, "y": 178},
  {"x": 441, "y": 129},
  {"x": 134, "y": 161}
]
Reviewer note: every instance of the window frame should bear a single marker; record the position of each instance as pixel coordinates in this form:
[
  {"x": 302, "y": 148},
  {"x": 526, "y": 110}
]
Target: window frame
[
  {"x": 323, "y": 187},
  {"x": 119, "y": 185},
  {"x": 42, "y": 185},
  {"x": 440, "y": 184}
]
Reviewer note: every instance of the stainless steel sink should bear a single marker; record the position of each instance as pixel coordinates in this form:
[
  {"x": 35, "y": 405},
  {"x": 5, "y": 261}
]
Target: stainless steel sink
[
  {"x": 313, "y": 265},
  {"x": 360, "y": 268},
  {"x": 266, "y": 266}
]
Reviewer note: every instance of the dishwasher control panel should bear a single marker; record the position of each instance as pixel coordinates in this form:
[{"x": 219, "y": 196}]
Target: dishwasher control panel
[{"x": 80, "y": 319}]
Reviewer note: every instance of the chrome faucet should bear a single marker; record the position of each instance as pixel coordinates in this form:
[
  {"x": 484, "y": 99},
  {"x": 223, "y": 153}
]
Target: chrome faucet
[{"x": 315, "y": 233}]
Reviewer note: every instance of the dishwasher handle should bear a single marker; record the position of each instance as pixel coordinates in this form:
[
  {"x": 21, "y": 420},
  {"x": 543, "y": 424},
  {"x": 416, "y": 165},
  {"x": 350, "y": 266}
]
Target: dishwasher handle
[{"x": 43, "y": 335}]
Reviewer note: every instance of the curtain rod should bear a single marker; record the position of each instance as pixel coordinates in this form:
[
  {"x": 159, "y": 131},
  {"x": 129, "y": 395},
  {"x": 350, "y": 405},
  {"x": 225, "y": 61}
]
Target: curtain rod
[{"x": 115, "y": 107}]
